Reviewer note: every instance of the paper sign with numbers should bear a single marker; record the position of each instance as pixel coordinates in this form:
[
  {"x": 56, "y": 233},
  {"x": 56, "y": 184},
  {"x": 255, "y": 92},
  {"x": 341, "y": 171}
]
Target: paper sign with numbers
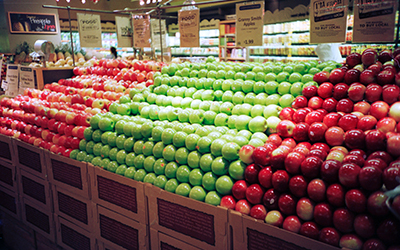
[
  {"x": 141, "y": 31},
  {"x": 374, "y": 21},
  {"x": 124, "y": 31},
  {"x": 155, "y": 33},
  {"x": 249, "y": 24},
  {"x": 89, "y": 30},
  {"x": 328, "y": 21},
  {"x": 189, "y": 28}
]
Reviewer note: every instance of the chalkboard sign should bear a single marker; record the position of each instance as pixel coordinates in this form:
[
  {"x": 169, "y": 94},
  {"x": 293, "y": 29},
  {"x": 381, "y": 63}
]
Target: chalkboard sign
[{"x": 32, "y": 23}]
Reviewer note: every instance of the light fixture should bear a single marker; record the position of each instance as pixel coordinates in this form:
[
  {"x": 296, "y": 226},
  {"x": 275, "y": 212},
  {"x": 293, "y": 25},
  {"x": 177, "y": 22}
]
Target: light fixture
[
  {"x": 68, "y": 1},
  {"x": 141, "y": 2},
  {"x": 83, "y": 1}
]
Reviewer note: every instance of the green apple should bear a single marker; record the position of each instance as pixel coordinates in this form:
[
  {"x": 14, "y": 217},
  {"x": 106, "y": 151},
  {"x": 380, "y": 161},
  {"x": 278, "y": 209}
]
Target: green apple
[
  {"x": 82, "y": 145},
  {"x": 270, "y": 77},
  {"x": 96, "y": 135},
  {"x": 169, "y": 153},
  {"x": 238, "y": 97},
  {"x": 226, "y": 108},
  {"x": 217, "y": 84},
  {"x": 237, "y": 85},
  {"x": 96, "y": 149},
  {"x": 259, "y": 87},
  {"x": 220, "y": 166},
  {"x": 190, "y": 91},
  {"x": 213, "y": 198},
  {"x": 221, "y": 119},
  {"x": 221, "y": 129},
  {"x": 149, "y": 178},
  {"x": 195, "y": 104},
  {"x": 196, "y": 177},
  {"x": 87, "y": 133},
  {"x": 191, "y": 141},
  {"x": 89, "y": 158},
  {"x": 207, "y": 95},
  {"x": 197, "y": 94},
  {"x": 193, "y": 159},
  {"x": 240, "y": 75},
  {"x": 240, "y": 140},
  {"x": 112, "y": 154},
  {"x": 139, "y": 161},
  {"x": 170, "y": 170},
  {"x": 81, "y": 155},
  {"x": 138, "y": 147},
  {"x": 249, "y": 98},
  {"x": 89, "y": 147},
  {"x": 248, "y": 86},
  {"x": 167, "y": 136},
  {"x": 112, "y": 166},
  {"x": 245, "y": 133},
  {"x": 123, "y": 109},
  {"x": 104, "y": 163},
  {"x": 120, "y": 141},
  {"x": 215, "y": 107},
  {"x": 259, "y": 135},
  {"x": 205, "y": 105},
  {"x": 296, "y": 89},
  {"x": 230, "y": 74},
  {"x": 182, "y": 174},
  {"x": 148, "y": 148},
  {"x": 188, "y": 129},
  {"x": 121, "y": 156},
  {"x": 227, "y": 96},
  {"x": 119, "y": 126},
  {"x": 277, "y": 68},
  {"x": 236, "y": 170},
  {"x": 272, "y": 99},
  {"x": 232, "y": 121},
  {"x": 224, "y": 185},
  {"x": 260, "y": 99},
  {"x": 216, "y": 147},
  {"x": 256, "y": 142},
  {"x": 105, "y": 151},
  {"x": 148, "y": 164},
  {"x": 226, "y": 85},
  {"x": 160, "y": 181},
  {"x": 129, "y": 159},
  {"x": 218, "y": 95},
  {"x": 127, "y": 129},
  {"x": 242, "y": 122},
  {"x": 286, "y": 100},
  {"x": 183, "y": 189},
  {"x": 295, "y": 77},
  {"x": 205, "y": 162},
  {"x": 171, "y": 185},
  {"x": 94, "y": 121},
  {"x": 267, "y": 68},
  {"x": 273, "y": 122},
  {"x": 134, "y": 107},
  {"x": 288, "y": 69},
  {"x": 130, "y": 172},
  {"x": 140, "y": 174},
  {"x": 197, "y": 193},
  {"x": 284, "y": 88},
  {"x": 181, "y": 156},
  {"x": 128, "y": 144},
  {"x": 258, "y": 124},
  {"x": 208, "y": 181},
  {"x": 230, "y": 151},
  {"x": 179, "y": 138},
  {"x": 260, "y": 76},
  {"x": 159, "y": 166},
  {"x": 196, "y": 116}
]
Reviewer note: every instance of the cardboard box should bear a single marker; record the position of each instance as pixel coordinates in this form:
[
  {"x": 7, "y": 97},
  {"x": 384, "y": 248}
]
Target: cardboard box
[
  {"x": 194, "y": 222},
  {"x": 119, "y": 194},
  {"x": 10, "y": 203},
  {"x": 6, "y": 148},
  {"x": 44, "y": 243},
  {"x": 74, "y": 208},
  {"x": 120, "y": 232},
  {"x": 71, "y": 236},
  {"x": 17, "y": 235},
  {"x": 252, "y": 234},
  {"x": 39, "y": 219},
  {"x": 35, "y": 188},
  {"x": 30, "y": 159},
  {"x": 8, "y": 176},
  {"x": 68, "y": 174},
  {"x": 164, "y": 242}
]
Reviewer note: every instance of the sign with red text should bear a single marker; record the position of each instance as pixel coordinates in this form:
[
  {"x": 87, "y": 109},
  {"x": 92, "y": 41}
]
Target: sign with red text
[
  {"x": 89, "y": 27},
  {"x": 249, "y": 24},
  {"x": 189, "y": 28},
  {"x": 141, "y": 31},
  {"x": 374, "y": 21},
  {"x": 328, "y": 21}
]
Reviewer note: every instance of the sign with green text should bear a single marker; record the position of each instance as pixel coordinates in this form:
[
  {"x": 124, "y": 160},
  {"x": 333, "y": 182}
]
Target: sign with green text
[{"x": 249, "y": 24}]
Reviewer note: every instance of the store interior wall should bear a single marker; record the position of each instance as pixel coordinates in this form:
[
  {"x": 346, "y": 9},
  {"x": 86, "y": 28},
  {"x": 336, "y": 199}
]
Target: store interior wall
[{"x": 30, "y": 6}]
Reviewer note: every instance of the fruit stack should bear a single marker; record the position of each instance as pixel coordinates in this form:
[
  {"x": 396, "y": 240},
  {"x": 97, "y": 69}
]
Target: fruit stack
[{"x": 325, "y": 172}]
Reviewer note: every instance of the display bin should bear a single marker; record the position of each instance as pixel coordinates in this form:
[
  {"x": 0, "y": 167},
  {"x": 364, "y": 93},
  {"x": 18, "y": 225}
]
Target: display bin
[
  {"x": 74, "y": 208},
  {"x": 68, "y": 174},
  {"x": 253, "y": 234},
  {"x": 43, "y": 243},
  {"x": 8, "y": 176},
  {"x": 72, "y": 237},
  {"x": 162, "y": 241},
  {"x": 30, "y": 158},
  {"x": 118, "y": 193},
  {"x": 49, "y": 75},
  {"x": 17, "y": 235},
  {"x": 10, "y": 203},
  {"x": 120, "y": 232},
  {"x": 193, "y": 222},
  {"x": 6, "y": 148},
  {"x": 37, "y": 218},
  {"x": 36, "y": 189}
]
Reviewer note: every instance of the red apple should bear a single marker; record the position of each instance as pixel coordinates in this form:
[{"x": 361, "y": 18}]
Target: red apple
[
  {"x": 353, "y": 59},
  {"x": 298, "y": 186},
  {"x": 293, "y": 162},
  {"x": 239, "y": 189},
  {"x": 258, "y": 212},
  {"x": 300, "y": 115},
  {"x": 373, "y": 244},
  {"x": 265, "y": 176},
  {"x": 286, "y": 114},
  {"x": 391, "y": 177},
  {"x": 352, "y": 75},
  {"x": 287, "y": 204},
  {"x": 254, "y": 194},
  {"x": 368, "y": 76},
  {"x": 280, "y": 180},
  {"x": 285, "y": 128},
  {"x": 243, "y": 206},
  {"x": 350, "y": 241},
  {"x": 270, "y": 199},
  {"x": 274, "y": 218},
  {"x": 310, "y": 91},
  {"x": 366, "y": 122},
  {"x": 375, "y": 140},
  {"x": 364, "y": 225},
  {"x": 394, "y": 112},
  {"x": 369, "y": 57},
  {"x": 348, "y": 175},
  {"x": 292, "y": 224},
  {"x": 376, "y": 204},
  {"x": 356, "y": 201},
  {"x": 386, "y": 76},
  {"x": 334, "y": 136},
  {"x": 354, "y": 138},
  {"x": 340, "y": 91},
  {"x": 336, "y": 76},
  {"x": 343, "y": 220},
  {"x": 261, "y": 154},
  {"x": 228, "y": 202},
  {"x": 330, "y": 170},
  {"x": 299, "y": 102},
  {"x": 389, "y": 231},
  {"x": 321, "y": 77},
  {"x": 310, "y": 167},
  {"x": 310, "y": 229},
  {"x": 356, "y": 92},
  {"x": 331, "y": 119},
  {"x": 323, "y": 214},
  {"x": 393, "y": 145},
  {"x": 251, "y": 173}
]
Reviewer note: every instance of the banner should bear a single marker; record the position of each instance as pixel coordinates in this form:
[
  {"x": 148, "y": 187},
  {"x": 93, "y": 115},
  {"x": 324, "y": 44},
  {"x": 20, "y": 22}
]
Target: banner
[
  {"x": 12, "y": 79},
  {"x": 89, "y": 27},
  {"x": 155, "y": 33},
  {"x": 141, "y": 31},
  {"x": 328, "y": 21},
  {"x": 249, "y": 24},
  {"x": 124, "y": 31},
  {"x": 374, "y": 21},
  {"x": 189, "y": 28}
]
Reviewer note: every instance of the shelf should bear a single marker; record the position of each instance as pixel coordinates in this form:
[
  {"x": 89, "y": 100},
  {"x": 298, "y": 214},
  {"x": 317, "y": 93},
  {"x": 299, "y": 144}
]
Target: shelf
[
  {"x": 227, "y": 22},
  {"x": 236, "y": 59},
  {"x": 230, "y": 47},
  {"x": 227, "y": 35},
  {"x": 201, "y": 46},
  {"x": 194, "y": 55},
  {"x": 255, "y": 55}
]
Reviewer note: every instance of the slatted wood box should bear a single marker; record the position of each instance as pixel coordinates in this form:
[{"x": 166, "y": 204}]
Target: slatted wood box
[
  {"x": 30, "y": 158},
  {"x": 36, "y": 189},
  {"x": 72, "y": 237}
]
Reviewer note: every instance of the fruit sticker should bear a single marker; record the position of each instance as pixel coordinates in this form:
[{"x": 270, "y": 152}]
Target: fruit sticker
[
  {"x": 374, "y": 21},
  {"x": 328, "y": 21}
]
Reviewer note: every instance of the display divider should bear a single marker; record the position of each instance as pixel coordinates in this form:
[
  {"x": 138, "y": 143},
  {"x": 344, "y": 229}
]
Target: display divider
[
  {"x": 8, "y": 176},
  {"x": 193, "y": 222},
  {"x": 6, "y": 149},
  {"x": 30, "y": 158},
  {"x": 71, "y": 236},
  {"x": 68, "y": 174},
  {"x": 252, "y": 234},
  {"x": 119, "y": 194}
]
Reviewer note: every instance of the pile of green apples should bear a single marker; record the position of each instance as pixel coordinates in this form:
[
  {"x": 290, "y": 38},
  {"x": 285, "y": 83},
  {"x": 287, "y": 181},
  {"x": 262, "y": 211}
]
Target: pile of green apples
[{"x": 184, "y": 133}]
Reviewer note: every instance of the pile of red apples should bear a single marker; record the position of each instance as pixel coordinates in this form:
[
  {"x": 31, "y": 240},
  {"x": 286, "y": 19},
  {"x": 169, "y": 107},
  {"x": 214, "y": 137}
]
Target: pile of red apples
[{"x": 335, "y": 153}]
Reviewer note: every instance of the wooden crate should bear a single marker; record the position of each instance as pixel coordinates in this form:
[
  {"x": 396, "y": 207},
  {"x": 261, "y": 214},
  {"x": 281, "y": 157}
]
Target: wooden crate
[
  {"x": 10, "y": 203},
  {"x": 72, "y": 237},
  {"x": 30, "y": 159},
  {"x": 162, "y": 241},
  {"x": 74, "y": 208},
  {"x": 181, "y": 217},
  {"x": 120, "y": 232},
  {"x": 68, "y": 174},
  {"x": 118, "y": 193},
  {"x": 6, "y": 148},
  {"x": 17, "y": 235},
  {"x": 36, "y": 189},
  {"x": 8, "y": 176},
  {"x": 49, "y": 75}
]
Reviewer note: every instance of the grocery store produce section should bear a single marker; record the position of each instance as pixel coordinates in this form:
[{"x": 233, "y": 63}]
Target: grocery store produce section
[{"x": 309, "y": 147}]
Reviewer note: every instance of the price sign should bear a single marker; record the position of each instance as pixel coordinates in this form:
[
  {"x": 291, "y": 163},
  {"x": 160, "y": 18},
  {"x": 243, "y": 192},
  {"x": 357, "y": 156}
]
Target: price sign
[
  {"x": 141, "y": 31},
  {"x": 124, "y": 31},
  {"x": 249, "y": 24},
  {"x": 328, "y": 21},
  {"x": 189, "y": 28},
  {"x": 155, "y": 33},
  {"x": 89, "y": 27},
  {"x": 12, "y": 78},
  {"x": 26, "y": 78},
  {"x": 374, "y": 21}
]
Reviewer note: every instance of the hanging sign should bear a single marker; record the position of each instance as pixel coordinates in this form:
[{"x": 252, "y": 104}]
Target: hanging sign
[
  {"x": 328, "y": 21},
  {"x": 155, "y": 33},
  {"x": 374, "y": 21},
  {"x": 26, "y": 78},
  {"x": 89, "y": 27},
  {"x": 124, "y": 31},
  {"x": 12, "y": 78},
  {"x": 249, "y": 24},
  {"x": 189, "y": 28},
  {"x": 141, "y": 31}
]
